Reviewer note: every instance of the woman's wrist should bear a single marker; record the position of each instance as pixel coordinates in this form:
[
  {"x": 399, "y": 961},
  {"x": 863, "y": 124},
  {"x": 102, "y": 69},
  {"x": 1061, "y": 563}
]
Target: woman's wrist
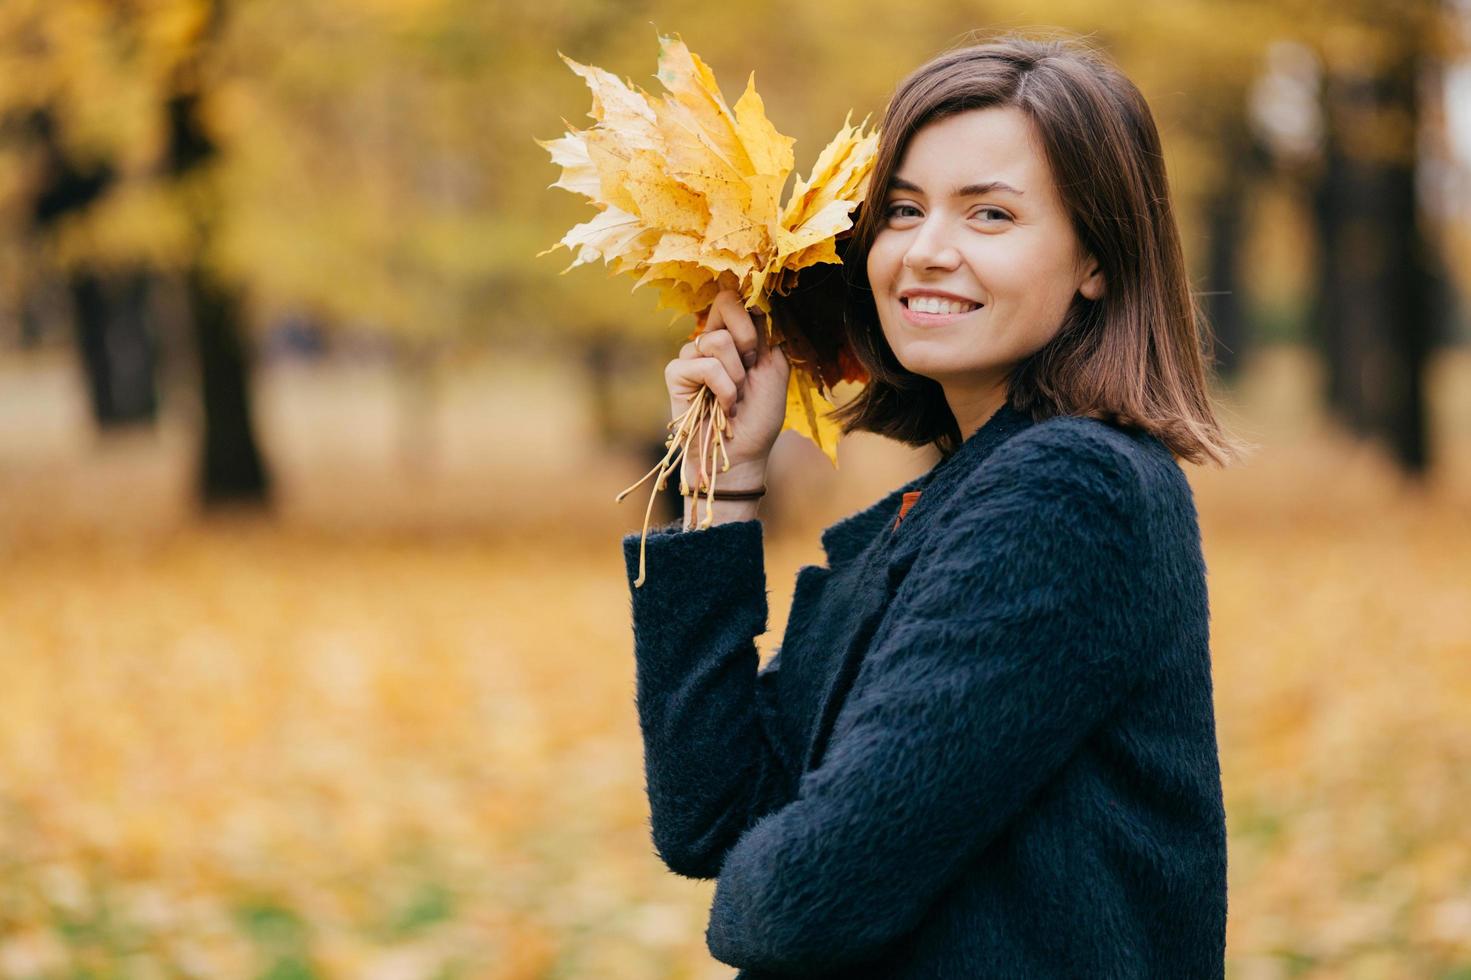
[
  {"x": 720, "y": 511},
  {"x": 745, "y": 476}
]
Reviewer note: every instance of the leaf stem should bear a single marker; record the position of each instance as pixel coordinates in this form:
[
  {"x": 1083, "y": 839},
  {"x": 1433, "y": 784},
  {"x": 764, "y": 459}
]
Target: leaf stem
[{"x": 678, "y": 443}]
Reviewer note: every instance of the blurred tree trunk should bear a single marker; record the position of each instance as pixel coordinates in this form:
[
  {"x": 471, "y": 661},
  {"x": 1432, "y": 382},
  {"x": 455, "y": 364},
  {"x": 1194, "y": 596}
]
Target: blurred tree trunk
[
  {"x": 231, "y": 470},
  {"x": 118, "y": 348},
  {"x": 1226, "y": 214},
  {"x": 1223, "y": 306},
  {"x": 1374, "y": 310},
  {"x": 109, "y": 309}
]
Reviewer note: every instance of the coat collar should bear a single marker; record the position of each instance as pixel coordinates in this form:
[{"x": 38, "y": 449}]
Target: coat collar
[{"x": 848, "y": 537}]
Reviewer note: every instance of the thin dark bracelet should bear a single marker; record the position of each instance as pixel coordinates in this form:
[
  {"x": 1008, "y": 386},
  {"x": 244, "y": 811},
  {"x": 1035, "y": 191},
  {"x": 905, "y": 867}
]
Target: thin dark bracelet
[{"x": 727, "y": 494}]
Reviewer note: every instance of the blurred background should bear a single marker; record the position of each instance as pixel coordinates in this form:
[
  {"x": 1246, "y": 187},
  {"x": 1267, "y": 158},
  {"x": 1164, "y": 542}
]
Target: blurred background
[{"x": 315, "y": 657}]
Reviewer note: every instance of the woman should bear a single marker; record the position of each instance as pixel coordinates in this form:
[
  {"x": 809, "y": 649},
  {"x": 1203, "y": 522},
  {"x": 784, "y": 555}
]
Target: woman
[{"x": 986, "y": 745}]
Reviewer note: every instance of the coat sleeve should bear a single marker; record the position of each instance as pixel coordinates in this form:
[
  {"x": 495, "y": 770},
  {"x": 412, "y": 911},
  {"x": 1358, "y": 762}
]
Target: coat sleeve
[
  {"x": 1009, "y": 641},
  {"x": 711, "y": 758}
]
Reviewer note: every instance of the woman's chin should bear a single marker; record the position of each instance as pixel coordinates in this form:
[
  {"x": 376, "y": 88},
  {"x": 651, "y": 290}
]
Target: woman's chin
[{"x": 928, "y": 360}]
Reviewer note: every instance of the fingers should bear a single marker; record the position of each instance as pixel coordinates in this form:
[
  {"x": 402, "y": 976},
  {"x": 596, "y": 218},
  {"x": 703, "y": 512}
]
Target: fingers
[
  {"x": 684, "y": 376},
  {"x": 718, "y": 346},
  {"x": 731, "y": 342},
  {"x": 729, "y": 312}
]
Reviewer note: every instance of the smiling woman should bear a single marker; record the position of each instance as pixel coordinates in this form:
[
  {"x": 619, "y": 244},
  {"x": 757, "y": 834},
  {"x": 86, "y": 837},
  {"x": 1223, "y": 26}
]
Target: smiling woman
[
  {"x": 966, "y": 288},
  {"x": 986, "y": 745},
  {"x": 1026, "y": 177}
]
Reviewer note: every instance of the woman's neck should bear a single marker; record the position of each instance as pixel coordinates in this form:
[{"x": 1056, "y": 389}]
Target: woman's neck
[{"x": 973, "y": 409}]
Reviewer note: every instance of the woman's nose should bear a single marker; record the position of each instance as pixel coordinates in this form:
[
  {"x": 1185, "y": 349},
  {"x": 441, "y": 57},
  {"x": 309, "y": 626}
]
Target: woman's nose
[{"x": 931, "y": 249}]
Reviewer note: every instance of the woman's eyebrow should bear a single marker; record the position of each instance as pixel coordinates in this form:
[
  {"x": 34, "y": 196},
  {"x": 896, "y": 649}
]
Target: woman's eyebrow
[{"x": 969, "y": 190}]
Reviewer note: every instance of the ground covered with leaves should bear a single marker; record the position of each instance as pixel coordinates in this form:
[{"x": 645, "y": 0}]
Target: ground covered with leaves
[{"x": 272, "y": 749}]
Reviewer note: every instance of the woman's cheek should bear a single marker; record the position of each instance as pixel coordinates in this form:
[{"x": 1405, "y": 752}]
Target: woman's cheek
[{"x": 878, "y": 276}]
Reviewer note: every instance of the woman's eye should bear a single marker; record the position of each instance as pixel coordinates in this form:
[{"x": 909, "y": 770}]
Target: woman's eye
[{"x": 987, "y": 214}]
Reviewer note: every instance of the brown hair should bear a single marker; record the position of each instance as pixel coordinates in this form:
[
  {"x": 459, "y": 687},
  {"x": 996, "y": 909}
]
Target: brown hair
[{"x": 1136, "y": 356}]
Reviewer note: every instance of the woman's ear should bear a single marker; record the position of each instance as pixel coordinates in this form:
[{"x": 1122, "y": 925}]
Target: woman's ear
[{"x": 1092, "y": 285}]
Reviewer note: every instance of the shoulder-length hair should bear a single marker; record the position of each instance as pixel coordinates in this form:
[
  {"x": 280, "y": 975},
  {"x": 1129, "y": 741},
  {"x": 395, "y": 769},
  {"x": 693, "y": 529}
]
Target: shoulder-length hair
[{"x": 1136, "y": 356}]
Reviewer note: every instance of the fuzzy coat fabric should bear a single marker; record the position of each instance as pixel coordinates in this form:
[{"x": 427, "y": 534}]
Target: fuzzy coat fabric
[{"x": 986, "y": 745}]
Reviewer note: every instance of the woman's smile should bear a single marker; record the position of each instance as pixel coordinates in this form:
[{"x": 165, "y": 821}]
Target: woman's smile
[
  {"x": 926, "y": 311},
  {"x": 971, "y": 212}
]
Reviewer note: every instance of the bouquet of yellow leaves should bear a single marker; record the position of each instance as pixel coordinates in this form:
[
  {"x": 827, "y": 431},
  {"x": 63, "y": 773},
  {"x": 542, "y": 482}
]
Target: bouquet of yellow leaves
[{"x": 687, "y": 191}]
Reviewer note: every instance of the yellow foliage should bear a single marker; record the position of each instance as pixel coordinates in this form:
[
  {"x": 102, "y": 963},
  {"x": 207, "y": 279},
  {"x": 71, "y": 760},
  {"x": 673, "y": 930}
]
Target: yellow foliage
[
  {"x": 688, "y": 193},
  {"x": 246, "y": 746},
  {"x": 804, "y": 417}
]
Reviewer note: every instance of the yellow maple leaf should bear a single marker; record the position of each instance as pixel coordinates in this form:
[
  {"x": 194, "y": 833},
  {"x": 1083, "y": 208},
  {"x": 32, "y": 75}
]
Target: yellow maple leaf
[
  {"x": 807, "y": 409},
  {"x": 661, "y": 200},
  {"x": 578, "y": 173},
  {"x": 769, "y": 151},
  {"x": 688, "y": 191}
]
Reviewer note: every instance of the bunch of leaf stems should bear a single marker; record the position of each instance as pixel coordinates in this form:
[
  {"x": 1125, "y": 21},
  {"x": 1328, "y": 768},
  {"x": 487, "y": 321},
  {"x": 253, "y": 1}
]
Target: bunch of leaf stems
[{"x": 706, "y": 421}]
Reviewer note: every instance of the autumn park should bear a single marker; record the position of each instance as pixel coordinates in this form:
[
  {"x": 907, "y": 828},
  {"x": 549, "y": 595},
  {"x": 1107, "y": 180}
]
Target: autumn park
[{"x": 315, "y": 648}]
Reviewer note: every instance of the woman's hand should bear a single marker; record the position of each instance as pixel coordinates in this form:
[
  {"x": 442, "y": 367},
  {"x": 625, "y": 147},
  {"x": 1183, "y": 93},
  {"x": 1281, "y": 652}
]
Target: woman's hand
[{"x": 747, "y": 376}]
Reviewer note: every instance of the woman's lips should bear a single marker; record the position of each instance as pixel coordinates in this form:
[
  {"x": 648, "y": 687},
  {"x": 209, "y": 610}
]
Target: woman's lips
[{"x": 934, "y": 319}]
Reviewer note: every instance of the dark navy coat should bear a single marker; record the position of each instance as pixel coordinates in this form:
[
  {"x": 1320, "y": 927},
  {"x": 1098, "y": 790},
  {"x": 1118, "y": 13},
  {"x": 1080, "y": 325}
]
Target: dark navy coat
[{"x": 986, "y": 745}]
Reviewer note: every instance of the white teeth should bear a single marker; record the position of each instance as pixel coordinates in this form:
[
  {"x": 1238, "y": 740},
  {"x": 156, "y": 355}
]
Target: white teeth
[{"x": 933, "y": 304}]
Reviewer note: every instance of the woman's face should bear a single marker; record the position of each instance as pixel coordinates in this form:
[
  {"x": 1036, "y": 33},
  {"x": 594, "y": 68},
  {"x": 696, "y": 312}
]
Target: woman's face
[{"x": 973, "y": 222}]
